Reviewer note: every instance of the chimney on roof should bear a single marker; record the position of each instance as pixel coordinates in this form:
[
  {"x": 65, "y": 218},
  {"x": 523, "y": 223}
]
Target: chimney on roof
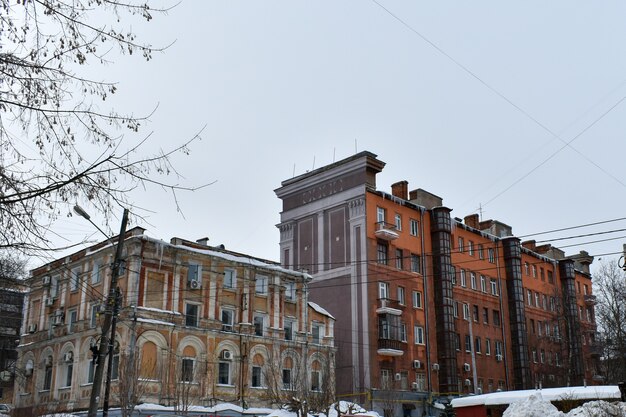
[
  {"x": 203, "y": 241},
  {"x": 472, "y": 221},
  {"x": 400, "y": 189},
  {"x": 425, "y": 199}
]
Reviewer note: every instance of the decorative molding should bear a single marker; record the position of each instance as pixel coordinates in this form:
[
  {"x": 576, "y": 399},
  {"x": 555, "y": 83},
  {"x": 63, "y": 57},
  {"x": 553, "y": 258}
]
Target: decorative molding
[
  {"x": 286, "y": 231},
  {"x": 357, "y": 207}
]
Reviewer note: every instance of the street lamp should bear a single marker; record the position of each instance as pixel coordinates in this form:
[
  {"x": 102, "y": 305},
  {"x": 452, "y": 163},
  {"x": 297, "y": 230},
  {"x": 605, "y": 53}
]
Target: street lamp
[{"x": 109, "y": 313}]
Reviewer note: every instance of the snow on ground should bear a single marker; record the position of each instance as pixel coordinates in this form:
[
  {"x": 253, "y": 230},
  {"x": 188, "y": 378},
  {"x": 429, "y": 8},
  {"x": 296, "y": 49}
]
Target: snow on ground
[{"x": 536, "y": 405}]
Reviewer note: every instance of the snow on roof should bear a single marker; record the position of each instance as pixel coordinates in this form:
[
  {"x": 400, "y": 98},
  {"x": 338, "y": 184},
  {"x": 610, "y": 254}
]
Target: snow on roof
[
  {"x": 230, "y": 256},
  {"x": 216, "y": 409},
  {"x": 320, "y": 310},
  {"x": 152, "y": 321},
  {"x": 548, "y": 394},
  {"x": 158, "y": 310}
]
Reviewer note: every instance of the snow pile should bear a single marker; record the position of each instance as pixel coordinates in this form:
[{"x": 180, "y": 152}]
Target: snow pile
[
  {"x": 532, "y": 406},
  {"x": 598, "y": 408}
]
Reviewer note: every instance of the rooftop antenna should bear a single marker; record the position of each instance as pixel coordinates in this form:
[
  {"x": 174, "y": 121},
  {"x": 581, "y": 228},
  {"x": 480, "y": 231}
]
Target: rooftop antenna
[
  {"x": 334, "y": 149},
  {"x": 480, "y": 211},
  {"x": 294, "y": 171},
  {"x": 313, "y": 163},
  {"x": 355, "y": 152}
]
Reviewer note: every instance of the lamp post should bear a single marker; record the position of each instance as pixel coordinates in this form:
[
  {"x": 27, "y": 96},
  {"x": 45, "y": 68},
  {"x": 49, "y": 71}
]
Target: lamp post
[{"x": 108, "y": 312}]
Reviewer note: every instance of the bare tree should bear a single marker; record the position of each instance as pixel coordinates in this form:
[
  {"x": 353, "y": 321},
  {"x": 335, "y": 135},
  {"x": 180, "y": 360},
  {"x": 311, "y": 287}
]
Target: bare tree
[
  {"x": 60, "y": 143},
  {"x": 131, "y": 387},
  {"x": 609, "y": 284},
  {"x": 287, "y": 387}
]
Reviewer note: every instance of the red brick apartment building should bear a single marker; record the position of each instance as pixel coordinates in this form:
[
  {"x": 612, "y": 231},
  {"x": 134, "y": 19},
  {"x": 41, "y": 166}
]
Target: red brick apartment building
[
  {"x": 426, "y": 303},
  {"x": 204, "y": 325}
]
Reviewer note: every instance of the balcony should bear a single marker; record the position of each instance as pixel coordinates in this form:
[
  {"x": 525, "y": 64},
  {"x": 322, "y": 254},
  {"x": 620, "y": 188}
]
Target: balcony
[
  {"x": 590, "y": 300},
  {"x": 389, "y": 306},
  {"x": 595, "y": 350},
  {"x": 389, "y": 347},
  {"x": 386, "y": 231}
]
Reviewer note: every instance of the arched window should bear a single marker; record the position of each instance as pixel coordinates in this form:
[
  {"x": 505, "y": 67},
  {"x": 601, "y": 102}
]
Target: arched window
[
  {"x": 287, "y": 374},
  {"x": 187, "y": 364},
  {"x": 148, "y": 360},
  {"x": 67, "y": 368},
  {"x": 257, "y": 371},
  {"x": 316, "y": 376},
  {"x": 47, "y": 375}
]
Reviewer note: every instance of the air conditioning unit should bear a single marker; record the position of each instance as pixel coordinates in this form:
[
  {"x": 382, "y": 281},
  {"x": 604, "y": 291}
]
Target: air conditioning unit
[
  {"x": 194, "y": 284},
  {"x": 398, "y": 377},
  {"x": 57, "y": 320},
  {"x": 46, "y": 280},
  {"x": 68, "y": 357},
  {"x": 417, "y": 364},
  {"x": 32, "y": 328},
  {"x": 435, "y": 367},
  {"x": 414, "y": 386},
  {"x": 227, "y": 327},
  {"x": 49, "y": 301},
  {"x": 468, "y": 382},
  {"x": 499, "y": 357},
  {"x": 466, "y": 367},
  {"x": 227, "y": 355}
]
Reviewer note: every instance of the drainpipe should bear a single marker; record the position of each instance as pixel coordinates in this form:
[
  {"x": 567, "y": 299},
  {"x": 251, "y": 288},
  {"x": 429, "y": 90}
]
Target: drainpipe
[{"x": 426, "y": 328}]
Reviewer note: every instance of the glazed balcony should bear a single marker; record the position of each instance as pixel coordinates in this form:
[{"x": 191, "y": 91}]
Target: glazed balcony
[
  {"x": 386, "y": 231},
  {"x": 389, "y": 347}
]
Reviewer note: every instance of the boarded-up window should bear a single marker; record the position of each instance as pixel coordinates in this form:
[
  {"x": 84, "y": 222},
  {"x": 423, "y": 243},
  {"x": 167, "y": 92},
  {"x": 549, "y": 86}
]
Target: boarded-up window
[
  {"x": 154, "y": 290},
  {"x": 148, "y": 361}
]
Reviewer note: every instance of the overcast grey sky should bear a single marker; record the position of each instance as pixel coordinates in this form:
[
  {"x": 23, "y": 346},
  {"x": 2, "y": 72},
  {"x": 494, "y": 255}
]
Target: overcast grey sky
[{"x": 463, "y": 99}]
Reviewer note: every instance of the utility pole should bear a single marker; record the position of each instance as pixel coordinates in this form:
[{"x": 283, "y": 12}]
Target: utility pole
[
  {"x": 108, "y": 317},
  {"x": 107, "y": 386}
]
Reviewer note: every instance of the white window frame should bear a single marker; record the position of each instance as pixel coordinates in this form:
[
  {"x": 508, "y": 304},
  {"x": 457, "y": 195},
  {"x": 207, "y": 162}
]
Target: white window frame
[
  {"x": 473, "y": 280},
  {"x": 381, "y": 214},
  {"x": 398, "y": 222},
  {"x": 418, "y": 334},
  {"x": 198, "y": 315},
  {"x": 261, "y": 284},
  {"x": 226, "y": 325},
  {"x": 230, "y": 278},
  {"x": 417, "y": 299},
  {"x": 182, "y": 370},
  {"x": 263, "y": 319},
  {"x": 401, "y": 295},
  {"x": 290, "y": 291},
  {"x": 413, "y": 227},
  {"x": 383, "y": 290},
  {"x": 75, "y": 274}
]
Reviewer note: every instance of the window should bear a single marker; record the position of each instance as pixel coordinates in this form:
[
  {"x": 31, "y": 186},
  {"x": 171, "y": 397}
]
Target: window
[
  {"x": 257, "y": 381},
  {"x": 191, "y": 315},
  {"x": 461, "y": 248},
  {"x": 381, "y": 253},
  {"x": 475, "y": 312},
  {"x": 399, "y": 258},
  {"x": 585, "y": 289},
  {"x": 544, "y": 302},
  {"x": 526, "y": 268},
  {"x": 532, "y": 326},
  {"x": 186, "y": 370},
  {"x": 385, "y": 378},
  {"x": 483, "y": 283},
  {"x": 468, "y": 343},
  {"x": 552, "y": 304},
  {"x": 491, "y": 254},
  {"x": 287, "y": 378},
  {"x": 537, "y": 300},
  {"x": 95, "y": 312},
  {"x": 481, "y": 252},
  {"x": 230, "y": 278},
  {"x": 115, "y": 366},
  {"x": 457, "y": 341},
  {"x": 75, "y": 278},
  {"x": 289, "y": 324},
  {"x": 550, "y": 277},
  {"x": 463, "y": 279},
  {"x": 542, "y": 356},
  {"x": 315, "y": 381},
  {"x": 316, "y": 332},
  {"x": 383, "y": 290},
  {"x": 414, "y": 227},
  {"x": 69, "y": 369},
  {"x": 401, "y": 298},
  {"x": 534, "y": 352},
  {"x": 194, "y": 272},
  {"x": 473, "y": 280},
  {"x": 223, "y": 373},
  {"x": 398, "y": 222},
  {"x": 542, "y": 273},
  {"x": 534, "y": 271},
  {"x": 529, "y": 295},
  {"x": 485, "y": 315},
  {"x": 290, "y": 291},
  {"x": 417, "y": 299},
  {"x": 73, "y": 318},
  {"x": 47, "y": 377},
  {"x": 496, "y": 318},
  {"x": 416, "y": 264},
  {"x": 381, "y": 214},
  {"x": 466, "y": 311},
  {"x": 494, "y": 287},
  {"x": 228, "y": 319},
  {"x": 90, "y": 371},
  {"x": 403, "y": 332},
  {"x": 259, "y": 325},
  {"x": 453, "y": 274},
  {"x": 470, "y": 248},
  {"x": 96, "y": 276},
  {"x": 477, "y": 345},
  {"x": 498, "y": 347},
  {"x": 420, "y": 379},
  {"x": 455, "y": 308},
  {"x": 539, "y": 328},
  {"x": 487, "y": 346},
  {"x": 419, "y": 335},
  {"x": 261, "y": 284}
]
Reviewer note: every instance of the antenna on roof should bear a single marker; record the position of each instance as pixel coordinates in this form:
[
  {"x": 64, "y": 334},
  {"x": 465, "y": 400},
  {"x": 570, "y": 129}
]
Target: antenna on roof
[
  {"x": 313, "y": 163},
  {"x": 334, "y": 149},
  {"x": 294, "y": 171},
  {"x": 355, "y": 152}
]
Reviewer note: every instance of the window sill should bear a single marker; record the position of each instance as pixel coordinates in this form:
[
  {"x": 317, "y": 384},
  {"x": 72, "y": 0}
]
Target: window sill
[{"x": 226, "y": 385}]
